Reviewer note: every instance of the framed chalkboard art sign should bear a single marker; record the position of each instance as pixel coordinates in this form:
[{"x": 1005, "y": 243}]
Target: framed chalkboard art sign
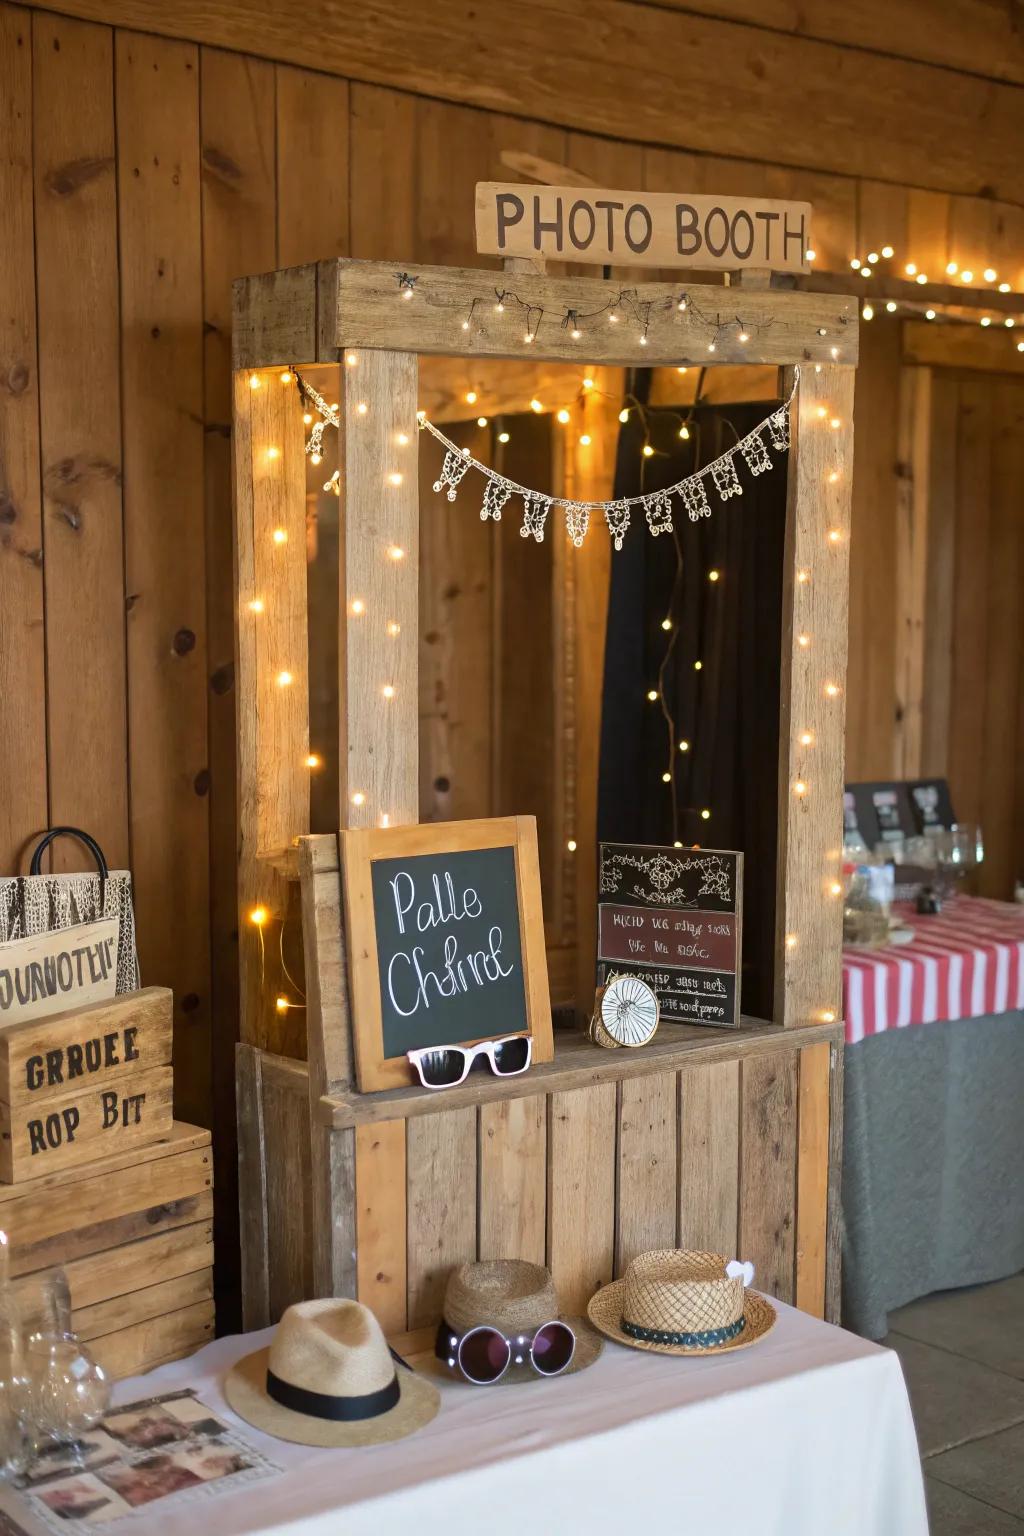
[
  {"x": 672, "y": 916},
  {"x": 445, "y": 934}
]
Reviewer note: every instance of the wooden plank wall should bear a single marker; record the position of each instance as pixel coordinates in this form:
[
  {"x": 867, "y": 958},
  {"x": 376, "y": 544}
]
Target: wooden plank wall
[{"x": 139, "y": 173}]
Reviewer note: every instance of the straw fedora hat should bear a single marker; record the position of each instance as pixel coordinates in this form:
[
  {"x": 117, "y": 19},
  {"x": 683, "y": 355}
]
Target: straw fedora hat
[
  {"x": 678, "y": 1303},
  {"x": 328, "y": 1378},
  {"x": 516, "y": 1298}
]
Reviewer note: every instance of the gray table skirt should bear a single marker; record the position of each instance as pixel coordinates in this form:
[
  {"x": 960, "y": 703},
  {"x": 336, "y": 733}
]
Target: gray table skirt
[{"x": 933, "y": 1163}]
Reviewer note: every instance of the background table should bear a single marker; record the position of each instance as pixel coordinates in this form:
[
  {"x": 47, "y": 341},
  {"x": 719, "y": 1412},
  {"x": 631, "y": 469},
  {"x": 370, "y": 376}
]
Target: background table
[
  {"x": 808, "y": 1431},
  {"x": 933, "y": 1155}
]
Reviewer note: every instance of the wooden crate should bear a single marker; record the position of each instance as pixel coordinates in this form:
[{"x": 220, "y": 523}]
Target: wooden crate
[
  {"x": 85, "y": 1084},
  {"x": 134, "y": 1233},
  {"x": 593, "y": 1157}
]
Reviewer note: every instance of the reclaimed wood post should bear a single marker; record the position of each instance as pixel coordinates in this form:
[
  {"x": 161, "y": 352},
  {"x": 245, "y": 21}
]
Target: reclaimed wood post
[{"x": 273, "y": 687}]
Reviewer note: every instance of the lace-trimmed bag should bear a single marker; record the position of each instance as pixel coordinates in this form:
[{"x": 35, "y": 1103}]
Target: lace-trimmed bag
[{"x": 35, "y": 904}]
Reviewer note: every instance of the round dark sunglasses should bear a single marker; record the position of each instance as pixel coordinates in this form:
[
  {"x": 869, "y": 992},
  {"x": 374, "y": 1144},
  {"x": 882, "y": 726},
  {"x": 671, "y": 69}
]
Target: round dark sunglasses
[{"x": 484, "y": 1354}]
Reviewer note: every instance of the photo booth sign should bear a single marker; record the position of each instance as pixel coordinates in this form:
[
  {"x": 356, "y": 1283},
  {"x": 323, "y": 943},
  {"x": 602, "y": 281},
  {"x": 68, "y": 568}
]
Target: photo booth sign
[{"x": 642, "y": 229}]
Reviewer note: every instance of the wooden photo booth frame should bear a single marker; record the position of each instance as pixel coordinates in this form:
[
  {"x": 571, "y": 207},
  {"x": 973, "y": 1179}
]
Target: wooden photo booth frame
[
  {"x": 731, "y": 1144},
  {"x": 359, "y": 849}
]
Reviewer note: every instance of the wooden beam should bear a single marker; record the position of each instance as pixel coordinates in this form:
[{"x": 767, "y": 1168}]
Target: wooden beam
[
  {"x": 379, "y": 592},
  {"x": 893, "y": 119},
  {"x": 811, "y": 720},
  {"x": 456, "y": 310},
  {"x": 912, "y": 566},
  {"x": 961, "y": 346},
  {"x": 273, "y": 682}
]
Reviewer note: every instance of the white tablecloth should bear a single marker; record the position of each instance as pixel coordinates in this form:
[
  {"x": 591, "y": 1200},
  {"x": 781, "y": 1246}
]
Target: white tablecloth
[{"x": 808, "y": 1433}]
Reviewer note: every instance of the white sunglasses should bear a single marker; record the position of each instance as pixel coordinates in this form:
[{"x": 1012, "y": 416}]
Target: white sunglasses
[{"x": 446, "y": 1066}]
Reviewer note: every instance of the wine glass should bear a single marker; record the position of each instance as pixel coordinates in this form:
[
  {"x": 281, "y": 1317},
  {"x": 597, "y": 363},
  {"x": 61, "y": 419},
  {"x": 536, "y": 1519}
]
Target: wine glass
[{"x": 66, "y": 1393}]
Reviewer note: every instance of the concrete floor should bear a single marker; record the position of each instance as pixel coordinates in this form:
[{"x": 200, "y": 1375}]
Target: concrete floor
[{"x": 963, "y": 1359}]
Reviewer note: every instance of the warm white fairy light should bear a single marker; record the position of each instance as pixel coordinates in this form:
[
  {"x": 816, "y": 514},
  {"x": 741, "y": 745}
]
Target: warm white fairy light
[
  {"x": 402, "y": 439},
  {"x": 258, "y": 916},
  {"x": 806, "y": 739},
  {"x": 481, "y": 421},
  {"x": 698, "y": 666},
  {"x": 1004, "y": 287},
  {"x": 666, "y": 778},
  {"x": 358, "y": 798},
  {"x": 613, "y": 318},
  {"x": 855, "y": 263},
  {"x": 503, "y": 437},
  {"x": 989, "y": 274},
  {"x": 827, "y": 1016},
  {"x": 867, "y": 313},
  {"x": 791, "y": 941},
  {"x": 643, "y": 341},
  {"x": 887, "y": 251},
  {"x": 571, "y": 845},
  {"x": 624, "y": 415},
  {"x": 358, "y": 606},
  {"x": 803, "y": 641},
  {"x": 835, "y": 889},
  {"x": 810, "y": 255},
  {"x": 803, "y": 576},
  {"x": 799, "y": 788},
  {"x": 744, "y": 336},
  {"x": 394, "y": 478},
  {"x": 284, "y": 679},
  {"x": 254, "y": 382},
  {"x": 528, "y": 337},
  {"x": 652, "y": 695},
  {"x": 256, "y": 606},
  {"x": 394, "y": 629},
  {"x": 585, "y": 439},
  {"x": 280, "y": 536},
  {"x": 575, "y": 333},
  {"x": 831, "y": 690},
  {"x": 967, "y": 277},
  {"x": 910, "y": 269},
  {"x": 712, "y": 346},
  {"x": 536, "y": 407},
  {"x": 471, "y": 397},
  {"x": 388, "y": 690},
  {"x": 564, "y": 417},
  {"x": 312, "y": 760},
  {"x": 666, "y": 623},
  {"x": 705, "y": 815},
  {"x": 351, "y": 359},
  {"x": 684, "y": 432},
  {"x": 684, "y": 746},
  {"x": 316, "y": 458},
  {"x": 929, "y": 314},
  {"x": 1009, "y": 322},
  {"x": 834, "y": 536},
  {"x": 833, "y": 476},
  {"x": 891, "y": 307},
  {"x": 362, "y": 408},
  {"x": 588, "y": 382},
  {"x": 921, "y": 278},
  {"x": 396, "y": 552},
  {"x": 648, "y": 451}
]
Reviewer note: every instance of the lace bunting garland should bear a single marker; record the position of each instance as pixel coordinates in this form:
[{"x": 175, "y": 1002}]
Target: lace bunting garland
[{"x": 657, "y": 506}]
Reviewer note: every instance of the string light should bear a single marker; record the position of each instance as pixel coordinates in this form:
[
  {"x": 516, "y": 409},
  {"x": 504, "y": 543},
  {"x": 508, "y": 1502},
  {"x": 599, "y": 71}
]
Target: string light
[
  {"x": 648, "y": 451},
  {"x": 791, "y": 941},
  {"x": 312, "y": 761},
  {"x": 989, "y": 274},
  {"x": 502, "y": 437},
  {"x": 585, "y": 439},
  {"x": 588, "y": 382},
  {"x": 666, "y": 623},
  {"x": 921, "y": 278},
  {"x": 803, "y": 641},
  {"x": 951, "y": 269},
  {"x": 806, "y": 739},
  {"x": 684, "y": 432},
  {"x": 396, "y": 552},
  {"x": 684, "y": 746},
  {"x": 967, "y": 277},
  {"x": 564, "y": 417},
  {"x": 528, "y": 337},
  {"x": 929, "y": 314},
  {"x": 831, "y": 690},
  {"x": 835, "y": 889},
  {"x": 834, "y": 535},
  {"x": 910, "y": 269},
  {"x": 811, "y": 255},
  {"x": 855, "y": 263},
  {"x": 394, "y": 628},
  {"x": 867, "y": 313},
  {"x": 351, "y": 359},
  {"x": 315, "y": 458},
  {"x": 388, "y": 691},
  {"x": 713, "y": 575},
  {"x": 402, "y": 439},
  {"x": 284, "y": 679},
  {"x": 385, "y": 819},
  {"x": 666, "y": 778},
  {"x": 985, "y": 322},
  {"x": 256, "y": 606},
  {"x": 471, "y": 397},
  {"x": 652, "y": 695},
  {"x": 803, "y": 576},
  {"x": 358, "y": 798},
  {"x": 828, "y": 1017},
  {"x": 887, "y": 251},
  {"x": 273, "y": 453},
  {"x": 258, "y": 916},
  {"x": 891, "y": 307},
  {"x": 481, "y": 421},
  {"x": 283, "y": 1005},
  {"x": 571, "y": 845},
  {"x": 307, "y": 419},
  {"x": 394, "y": 478},
  {"x": 698, "y": 666},
  {"x": 1004, "y": 287},
  {"x": 799, "y": 788},
  {"x": 624, "y": 415},
  {"x": 872, "y": 257},
  {"x": 254, "y": 382},
  {"x": 705, "y": 815},
  {"x": 280, "y": 536},
  {"x": 358, "y": 606},
  {"x": 536, "y": 407}
]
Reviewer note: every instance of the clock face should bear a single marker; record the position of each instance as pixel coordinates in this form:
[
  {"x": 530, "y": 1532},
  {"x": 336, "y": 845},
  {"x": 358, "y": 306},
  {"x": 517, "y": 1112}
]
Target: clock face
[{"x": 629, "y": 1010}]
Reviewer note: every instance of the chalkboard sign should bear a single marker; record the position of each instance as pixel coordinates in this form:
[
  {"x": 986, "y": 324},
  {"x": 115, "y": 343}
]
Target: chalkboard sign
[
  {"x": 673, "y": 917},
  {"x": 446, "y": 941}
]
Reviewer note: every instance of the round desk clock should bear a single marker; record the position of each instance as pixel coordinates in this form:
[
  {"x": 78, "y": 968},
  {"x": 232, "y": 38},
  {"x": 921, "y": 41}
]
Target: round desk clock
[{"x": 626, "y": 1013}]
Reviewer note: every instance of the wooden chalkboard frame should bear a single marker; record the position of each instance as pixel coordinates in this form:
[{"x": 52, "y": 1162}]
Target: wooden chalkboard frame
[{"x": 359, "y": 849}]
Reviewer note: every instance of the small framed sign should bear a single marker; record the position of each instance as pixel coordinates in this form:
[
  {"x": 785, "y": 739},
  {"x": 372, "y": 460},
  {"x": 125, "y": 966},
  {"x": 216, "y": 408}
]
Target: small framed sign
[
  {"x": 673, "y": 917},
  {"x": 445, "y": 934}
]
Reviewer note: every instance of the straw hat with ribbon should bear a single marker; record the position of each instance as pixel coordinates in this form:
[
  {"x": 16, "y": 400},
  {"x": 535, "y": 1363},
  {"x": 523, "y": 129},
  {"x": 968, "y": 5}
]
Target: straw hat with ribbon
[
  {"x": 678, "y": 1303},
  {"x": 516, "y": 1299},
  {"x": 329, "y": 1378}
]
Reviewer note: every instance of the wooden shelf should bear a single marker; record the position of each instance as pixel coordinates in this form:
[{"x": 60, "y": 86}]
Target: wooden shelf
[{"x": 578, "y": 1064}]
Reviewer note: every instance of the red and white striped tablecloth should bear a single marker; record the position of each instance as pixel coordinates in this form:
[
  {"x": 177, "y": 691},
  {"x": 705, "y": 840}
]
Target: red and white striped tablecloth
[{"x": 965, "y": 962}]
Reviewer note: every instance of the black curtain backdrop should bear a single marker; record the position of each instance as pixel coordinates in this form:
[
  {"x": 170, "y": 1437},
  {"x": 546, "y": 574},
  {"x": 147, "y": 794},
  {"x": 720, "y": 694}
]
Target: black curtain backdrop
[{"x": 727, "y": 710}]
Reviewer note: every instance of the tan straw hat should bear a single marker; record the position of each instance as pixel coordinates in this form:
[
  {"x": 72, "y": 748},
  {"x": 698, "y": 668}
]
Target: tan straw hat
[
  {"x": 515, "y": 1298},
  {"x": 678, "y": 1303},
  {"x": 328, "y": 1378}
]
